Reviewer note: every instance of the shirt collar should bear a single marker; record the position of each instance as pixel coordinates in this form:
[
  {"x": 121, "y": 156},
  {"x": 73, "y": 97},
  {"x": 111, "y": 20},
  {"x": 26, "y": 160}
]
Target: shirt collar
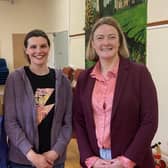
[{"x": 96, "y": 73}]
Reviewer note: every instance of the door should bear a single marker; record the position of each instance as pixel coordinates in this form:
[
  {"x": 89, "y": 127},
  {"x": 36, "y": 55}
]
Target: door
[
  {"x": 18, "y": 50},
  {"x": 61, "y": 49}
]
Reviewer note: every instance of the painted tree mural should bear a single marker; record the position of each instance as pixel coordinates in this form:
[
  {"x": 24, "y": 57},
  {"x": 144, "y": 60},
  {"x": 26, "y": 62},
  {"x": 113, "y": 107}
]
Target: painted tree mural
[{"x": 131, "y": 15}]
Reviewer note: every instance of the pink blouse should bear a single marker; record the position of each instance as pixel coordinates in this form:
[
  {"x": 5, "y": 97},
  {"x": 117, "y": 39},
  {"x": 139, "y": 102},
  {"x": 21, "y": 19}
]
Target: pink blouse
[{"x": 102, "y": 102}]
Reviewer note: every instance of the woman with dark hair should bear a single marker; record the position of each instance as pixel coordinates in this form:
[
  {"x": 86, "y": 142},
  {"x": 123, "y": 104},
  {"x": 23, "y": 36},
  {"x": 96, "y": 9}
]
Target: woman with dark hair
[
  {"x": 115, "y": 104},
  {"x": 37, "y": 108}
]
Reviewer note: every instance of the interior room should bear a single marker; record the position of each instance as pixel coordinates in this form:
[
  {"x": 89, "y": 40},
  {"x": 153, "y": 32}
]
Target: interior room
[{"x": 64, "y": 22}]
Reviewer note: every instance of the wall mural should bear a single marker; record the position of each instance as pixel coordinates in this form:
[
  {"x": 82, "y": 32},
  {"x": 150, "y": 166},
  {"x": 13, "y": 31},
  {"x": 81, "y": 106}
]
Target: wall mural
[{"x": 132, "y": 16}]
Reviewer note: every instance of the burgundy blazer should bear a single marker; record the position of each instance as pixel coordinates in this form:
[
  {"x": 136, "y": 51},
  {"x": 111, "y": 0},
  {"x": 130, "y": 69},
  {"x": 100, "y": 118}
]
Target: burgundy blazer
[{"x": 134, "y": 117}]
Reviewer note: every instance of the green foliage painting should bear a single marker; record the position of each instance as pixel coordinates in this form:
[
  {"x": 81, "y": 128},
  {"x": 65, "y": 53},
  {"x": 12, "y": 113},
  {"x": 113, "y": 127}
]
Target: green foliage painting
[{"x": 132, "y": 16}]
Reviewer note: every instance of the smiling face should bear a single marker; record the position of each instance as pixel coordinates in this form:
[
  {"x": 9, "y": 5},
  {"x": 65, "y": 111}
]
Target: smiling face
[
  {"x": 37, "y": 50},
  {"x": 106, "y": 42}
]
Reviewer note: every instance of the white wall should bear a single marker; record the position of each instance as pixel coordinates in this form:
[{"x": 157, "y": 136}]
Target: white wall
[
  {"x": 157, "y": 62},
  {"x": 58, "y": 14},
  {"x": 77, "y": 52},
  {"x": 21, "y": 17},
  {"x": 157, "y": 10},
  {"x": 76, "y": 26},
  {"x": 49, "y": 15}
]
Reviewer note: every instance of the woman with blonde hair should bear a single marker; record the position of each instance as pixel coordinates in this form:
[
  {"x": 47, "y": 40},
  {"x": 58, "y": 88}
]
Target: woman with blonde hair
[{"x": 115, "y": 104}]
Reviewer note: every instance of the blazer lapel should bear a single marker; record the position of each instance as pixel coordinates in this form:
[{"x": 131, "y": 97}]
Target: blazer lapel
[
  {"x": 88, "y": 95},
  {"x": 121, "y": 81}
]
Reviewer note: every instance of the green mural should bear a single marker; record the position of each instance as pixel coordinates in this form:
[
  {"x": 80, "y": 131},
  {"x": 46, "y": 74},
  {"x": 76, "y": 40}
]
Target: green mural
[{"x": 132, "y": 16}]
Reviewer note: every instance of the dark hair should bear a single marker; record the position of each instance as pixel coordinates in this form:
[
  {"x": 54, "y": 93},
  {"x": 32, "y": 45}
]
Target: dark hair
[{"x": 35, "y": 33}]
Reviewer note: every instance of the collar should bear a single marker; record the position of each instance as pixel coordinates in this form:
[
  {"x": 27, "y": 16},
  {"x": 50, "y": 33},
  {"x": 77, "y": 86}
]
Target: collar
[{"x": 112, "y": 73}]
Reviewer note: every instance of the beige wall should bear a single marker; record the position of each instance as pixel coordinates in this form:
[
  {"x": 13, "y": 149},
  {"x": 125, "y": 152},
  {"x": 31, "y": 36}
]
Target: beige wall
[
  {"x": 49, "y": 15},
  {"x": 21, "y": 17},
  {"x": 77, "y": 52},
  {"x": 157, "y": 62},
  {"x": 157, "y": 10},
  {"x": 58, "y": 15},
  {"x": 76, "y": 27}
]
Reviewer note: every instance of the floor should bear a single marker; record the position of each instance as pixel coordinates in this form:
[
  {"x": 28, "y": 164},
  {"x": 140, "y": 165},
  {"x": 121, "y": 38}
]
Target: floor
[{"x": 72, "y": 155}]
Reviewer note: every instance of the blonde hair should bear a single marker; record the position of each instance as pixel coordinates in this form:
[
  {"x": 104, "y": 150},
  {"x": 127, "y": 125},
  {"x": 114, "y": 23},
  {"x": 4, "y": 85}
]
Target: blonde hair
[{"x": 123, "y": 49}]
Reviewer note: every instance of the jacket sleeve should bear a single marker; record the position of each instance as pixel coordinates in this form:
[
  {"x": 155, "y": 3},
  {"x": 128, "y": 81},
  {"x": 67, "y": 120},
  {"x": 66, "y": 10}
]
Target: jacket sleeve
[
  {"x": 80, "y": 124},
  {"x": 148, "y": 119},
  {"x": 65, "y": 106},
  {"x": 13, "y": 130}
]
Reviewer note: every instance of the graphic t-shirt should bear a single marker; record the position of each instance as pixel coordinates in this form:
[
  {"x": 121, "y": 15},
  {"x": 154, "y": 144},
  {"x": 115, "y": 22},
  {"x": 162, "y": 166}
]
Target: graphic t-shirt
[{"x": 44, "y": 94}]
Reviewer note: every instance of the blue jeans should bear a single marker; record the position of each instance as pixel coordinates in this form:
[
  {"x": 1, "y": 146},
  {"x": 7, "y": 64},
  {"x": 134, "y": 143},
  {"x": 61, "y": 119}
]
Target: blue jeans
[{"x": 15, "y": 165}]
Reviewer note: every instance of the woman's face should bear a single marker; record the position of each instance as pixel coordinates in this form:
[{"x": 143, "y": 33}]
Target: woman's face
[
  {"x": 106, "y": 42},
  {"x": 37, "y": 51}
]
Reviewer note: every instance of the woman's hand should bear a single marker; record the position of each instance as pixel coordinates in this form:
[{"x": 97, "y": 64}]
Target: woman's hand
[
  {"x": 114, "y": 163},
  {"x": 38, "y": 160},
  {"x": 101, "y": 163},
  {"x": 124, "y": 162},
  {"x": 51, "y": 156}
]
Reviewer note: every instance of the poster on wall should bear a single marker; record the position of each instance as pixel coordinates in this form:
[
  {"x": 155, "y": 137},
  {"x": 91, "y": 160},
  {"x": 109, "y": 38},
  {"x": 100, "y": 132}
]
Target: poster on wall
[{"x": 132, "y": 16}]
